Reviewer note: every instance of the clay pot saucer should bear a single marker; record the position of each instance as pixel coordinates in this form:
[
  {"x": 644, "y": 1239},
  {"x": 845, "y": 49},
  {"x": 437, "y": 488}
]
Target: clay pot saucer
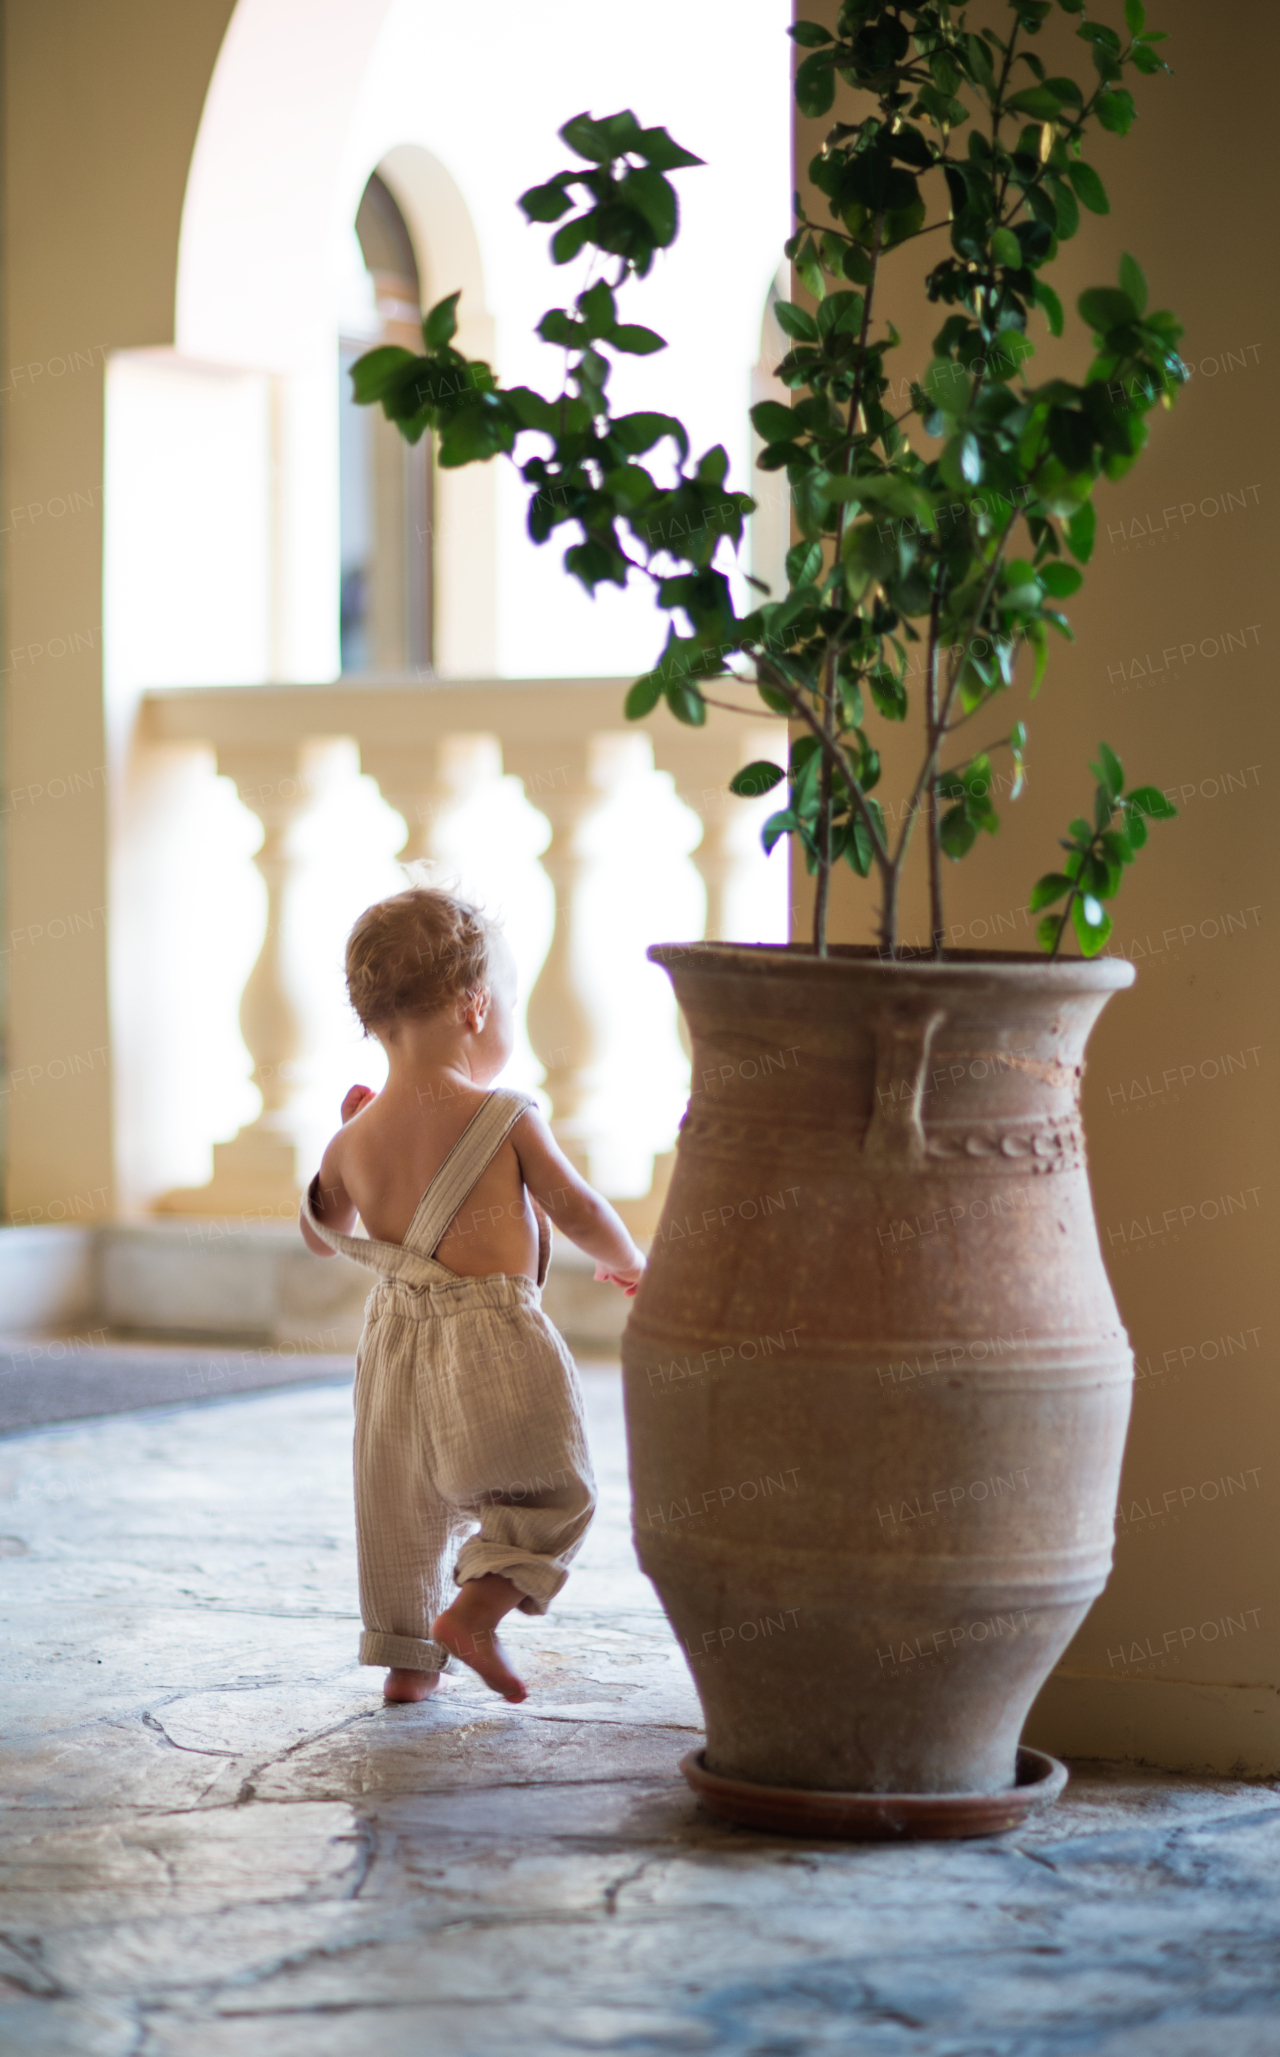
[{"x": 878, "y": 1817}]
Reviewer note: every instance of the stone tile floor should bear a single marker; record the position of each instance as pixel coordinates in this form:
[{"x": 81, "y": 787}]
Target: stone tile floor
[{"x": 217, "y": 1841}]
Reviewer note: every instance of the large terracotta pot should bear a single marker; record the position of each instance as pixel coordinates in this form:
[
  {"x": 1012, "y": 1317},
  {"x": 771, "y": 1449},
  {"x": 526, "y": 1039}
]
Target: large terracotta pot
[{"x": 876, "y": 1382}]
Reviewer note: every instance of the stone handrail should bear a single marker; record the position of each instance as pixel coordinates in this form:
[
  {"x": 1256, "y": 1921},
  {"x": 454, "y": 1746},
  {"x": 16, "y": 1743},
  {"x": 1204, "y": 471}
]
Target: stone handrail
[{"x": 407, "y": 733}]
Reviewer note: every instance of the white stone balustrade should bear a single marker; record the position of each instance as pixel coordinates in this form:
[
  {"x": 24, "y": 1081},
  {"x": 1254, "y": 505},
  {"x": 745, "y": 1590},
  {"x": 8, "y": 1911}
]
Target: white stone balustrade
[{"x": 426, "y": 745}]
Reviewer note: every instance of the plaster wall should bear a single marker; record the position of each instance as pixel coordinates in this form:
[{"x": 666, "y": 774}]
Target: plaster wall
[
  {"x": 90, "y": 252},
  {"x": 1171, "y": 664}
]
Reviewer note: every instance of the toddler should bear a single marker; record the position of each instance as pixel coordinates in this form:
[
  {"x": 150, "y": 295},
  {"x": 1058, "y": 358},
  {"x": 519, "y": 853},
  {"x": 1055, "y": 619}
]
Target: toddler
[{"x": 467, "y": 1402}]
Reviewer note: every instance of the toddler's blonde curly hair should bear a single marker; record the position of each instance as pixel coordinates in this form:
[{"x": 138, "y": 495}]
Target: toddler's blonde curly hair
[{"x": 415, "y": 953}]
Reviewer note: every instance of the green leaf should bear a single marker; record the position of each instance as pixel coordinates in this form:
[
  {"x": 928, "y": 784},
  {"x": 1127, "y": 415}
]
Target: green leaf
[
  {"x": 532, "y": 411},
  {"x": 1092, "y": 924},
  {"x": 1080, "y": 529},
  {"x": 949, "y": 386},
  {"x": 1067, "y": 91},
  {"x": 546, "y": 203},
  {"x": 658, "y": 149},
  {"x": 1116, "y": 111},
  {"x": 808, "y": 265},
  {"x": 1048, "y": 299},
  {"x": 772, "y": 422},
  {"x": 1070, "y": 438},
  {"x": 815, "y": 86},
  {"x": 795, "y": 322},
  {"x": 1133, "y": 281},
  {"x": 956, "y": 833},
  {"x": 636, "y": 341},
  {"x": 1060, "y": 580},
  {"x": 1117, "y": 847},
  {"x": 1149, "y": 800},
  {"x": 1041, "y": 103},
  {"x": 1106, "y": 307},
  {"x": 558, "y": 327},
  {"x": 713, "y": 465},
  {"x": 1046, "y": 890},
  {"x": 643, "y": 696},
  {"x": 888, "y": 693},
  {"x": 473, "y": 437},
  {"x": 809, "y": 34},
  {"x": 1088, "y": 187},
  {"x": 1049, "y": 930},
  {"x": 567, "y": 242},
  {"x": 442, "y": 322},
  {"x": 778, "y": 826},
  {"x": 840, "y": 314},
  {"x": 961, "y": 461},
  {"x": 687, "y": 704},
  {"x": 377, "y": 370},
  {"x": 755, "y": 779},
  {"x": 598, "y": 310},
  {"x": 1068, "y": 211},
  {"x": 1135, "y": 17},
  {"x": 653, "y": 197},
  {"x": 980, "y": 62},
  {"x": 1112, "y": 770},
  {"x": 942, "y": 110},
  {"x": 1006, "y": 249},
  {"x": 804, "y": 562},
  {"x": 639, "y": 432},
  {"x": 859, "y": 850},
  {"x": 592, "y": 139}
]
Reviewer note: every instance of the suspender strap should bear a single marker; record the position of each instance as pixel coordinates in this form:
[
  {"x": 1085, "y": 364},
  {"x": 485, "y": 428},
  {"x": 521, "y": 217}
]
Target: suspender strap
[
  {"x": 468, "y": 1160},
  {"x": 392, "y": 1260},
  {"x": 413, "y": 1261}
]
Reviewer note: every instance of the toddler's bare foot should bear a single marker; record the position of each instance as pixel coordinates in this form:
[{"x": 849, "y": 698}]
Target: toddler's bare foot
[
  {"x": 409, "y": 1685},
  {"x": 468, "y": 1629}
]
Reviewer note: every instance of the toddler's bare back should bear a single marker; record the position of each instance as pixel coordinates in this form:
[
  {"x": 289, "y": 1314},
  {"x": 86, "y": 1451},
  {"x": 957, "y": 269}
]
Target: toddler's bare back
[{"x": 388, "y": 1154}]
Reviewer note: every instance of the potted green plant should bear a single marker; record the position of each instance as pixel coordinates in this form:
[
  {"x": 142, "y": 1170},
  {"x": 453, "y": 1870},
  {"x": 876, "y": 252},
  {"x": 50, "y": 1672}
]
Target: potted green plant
[{"x": 881, "y": 1629}]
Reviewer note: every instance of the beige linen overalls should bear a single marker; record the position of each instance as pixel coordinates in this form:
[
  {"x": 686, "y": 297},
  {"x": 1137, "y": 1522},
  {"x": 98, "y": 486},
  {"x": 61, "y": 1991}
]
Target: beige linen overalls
[{"x": 468, "y": 1409}]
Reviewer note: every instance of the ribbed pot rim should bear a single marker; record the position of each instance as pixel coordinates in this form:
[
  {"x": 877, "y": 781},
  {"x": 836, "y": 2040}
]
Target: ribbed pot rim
[{"x": 1025, "y": 969}]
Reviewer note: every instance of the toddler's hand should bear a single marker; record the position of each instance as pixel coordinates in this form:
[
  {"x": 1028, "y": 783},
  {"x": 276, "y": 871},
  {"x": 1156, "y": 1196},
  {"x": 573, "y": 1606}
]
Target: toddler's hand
[
  {"x": 628, "y": 1279},
  {"x": 357, "y": 1097}
]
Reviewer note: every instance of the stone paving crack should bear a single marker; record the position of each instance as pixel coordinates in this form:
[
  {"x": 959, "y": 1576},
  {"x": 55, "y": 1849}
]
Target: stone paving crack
[
  {"x": 619, "y": 1885},
  {"x": 25, "y": 1967},
  {"x": 148, "y": 1720}
]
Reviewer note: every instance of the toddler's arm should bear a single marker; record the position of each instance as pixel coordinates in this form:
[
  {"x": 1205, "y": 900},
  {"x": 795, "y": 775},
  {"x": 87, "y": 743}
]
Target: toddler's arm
[
  {"x": 577, "y": 1210},
  {"x": 334, "y": 1205}
]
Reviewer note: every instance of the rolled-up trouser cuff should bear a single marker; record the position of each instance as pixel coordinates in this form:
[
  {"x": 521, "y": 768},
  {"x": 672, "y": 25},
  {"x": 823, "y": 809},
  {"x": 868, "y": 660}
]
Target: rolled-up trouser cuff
[
  {"x": 404, "y": 1653},
  {"x": 539, "y": 1578}
]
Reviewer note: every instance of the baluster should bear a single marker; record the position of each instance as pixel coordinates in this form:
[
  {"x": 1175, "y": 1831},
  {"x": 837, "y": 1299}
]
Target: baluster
[
  {"x": 257, "y": 1171},
  {"x": 715, "y": 858},
  {"x": 561, "y": 780},
  {"x": 702, "y": 763},
  {"x": 426, "y": 785}
]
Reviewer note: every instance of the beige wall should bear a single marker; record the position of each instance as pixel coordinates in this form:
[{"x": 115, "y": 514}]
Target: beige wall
[
  {"x": 101, "y": 107},
  {"x": 1186, "y": 188}
]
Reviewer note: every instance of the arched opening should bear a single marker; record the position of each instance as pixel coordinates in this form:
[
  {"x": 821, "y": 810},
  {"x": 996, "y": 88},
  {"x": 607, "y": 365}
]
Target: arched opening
[{"x": 386, "y": 553}]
